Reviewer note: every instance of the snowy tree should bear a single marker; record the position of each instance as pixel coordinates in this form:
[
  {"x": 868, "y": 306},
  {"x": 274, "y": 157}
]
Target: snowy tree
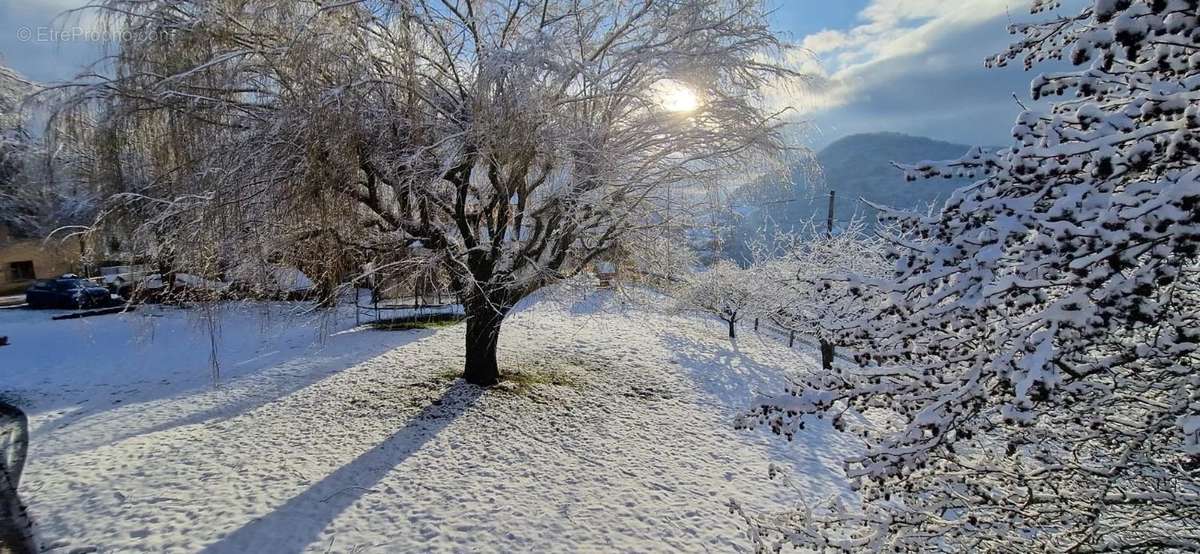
[
  {"x": 806, "y": 271},
  {"x": 656, "y": 258},
  {"x": 1031, "y": 373},
  {"x": 516, "y": 141},
  {"x": 37, "y": 192},
  {"x": 15, "y": 144},
  {"x": 14, "y": 89},
  {"x": 724, "y": 290},
  {"x": 11, "y": 164}
]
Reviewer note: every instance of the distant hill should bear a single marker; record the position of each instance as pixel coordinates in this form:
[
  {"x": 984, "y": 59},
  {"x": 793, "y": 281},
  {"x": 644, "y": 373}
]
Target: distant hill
[{"x": 856, "y": 167}]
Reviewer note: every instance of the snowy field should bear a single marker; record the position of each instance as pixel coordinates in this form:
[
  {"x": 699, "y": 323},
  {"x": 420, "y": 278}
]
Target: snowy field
[{"x": 326, "y": 437}]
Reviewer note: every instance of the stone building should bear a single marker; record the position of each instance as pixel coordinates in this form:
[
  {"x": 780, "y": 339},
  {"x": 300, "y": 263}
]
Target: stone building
[{"x": 24, "y": 260}]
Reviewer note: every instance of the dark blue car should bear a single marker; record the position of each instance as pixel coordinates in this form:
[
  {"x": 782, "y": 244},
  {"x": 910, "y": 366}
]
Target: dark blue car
[{"x": 67, "y": 292}]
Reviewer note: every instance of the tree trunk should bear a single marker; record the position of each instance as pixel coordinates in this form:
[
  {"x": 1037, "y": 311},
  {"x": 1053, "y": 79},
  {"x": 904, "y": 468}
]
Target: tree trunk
[
  {"x": 327, "y": 296},
  {"x": 827, "y": 349},
  {"x": 732, "y": 329},
  {"x": 483, "y": 332}
]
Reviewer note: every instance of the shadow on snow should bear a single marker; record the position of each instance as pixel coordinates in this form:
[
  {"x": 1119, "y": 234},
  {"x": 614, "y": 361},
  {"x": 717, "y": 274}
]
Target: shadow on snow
[
  {"x": 299, "y": 522},
  {"x": 236, "y": 395},
  {"x": 732, "y": 380}
]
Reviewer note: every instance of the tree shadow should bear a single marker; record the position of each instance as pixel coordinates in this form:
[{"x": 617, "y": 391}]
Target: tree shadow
[
  {"x": 299, "y": 522},
  {"x": 732, "y": 380},
  {"x": 722, "y": 371},
  {"x": 255, "y": 387}
]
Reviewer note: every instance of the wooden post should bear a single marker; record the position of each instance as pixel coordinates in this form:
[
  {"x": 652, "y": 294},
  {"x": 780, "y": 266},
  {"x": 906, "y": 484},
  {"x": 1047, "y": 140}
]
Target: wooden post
[
  {"x": 829, "y": 215},
  {"x": 828, "y": 348},
  {"x": 756, "y": 324},
  {"x": 791, "y": 339},
  {"x": 827, "y": 351}
]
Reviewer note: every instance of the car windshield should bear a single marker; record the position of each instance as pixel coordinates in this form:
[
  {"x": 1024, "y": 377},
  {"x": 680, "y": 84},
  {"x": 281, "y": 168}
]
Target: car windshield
[{"x": 71, "y": 284}]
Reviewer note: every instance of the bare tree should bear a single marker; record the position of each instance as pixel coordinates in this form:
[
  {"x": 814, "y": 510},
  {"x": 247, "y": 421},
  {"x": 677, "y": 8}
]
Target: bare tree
[{"x": 510, "y": 143}]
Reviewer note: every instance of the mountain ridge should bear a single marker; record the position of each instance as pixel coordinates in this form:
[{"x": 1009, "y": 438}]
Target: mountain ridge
[{"x": 857, "y": 167}]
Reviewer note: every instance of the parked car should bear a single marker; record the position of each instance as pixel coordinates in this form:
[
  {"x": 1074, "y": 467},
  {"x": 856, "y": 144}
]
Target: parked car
[{"x": 67, "y": 292}]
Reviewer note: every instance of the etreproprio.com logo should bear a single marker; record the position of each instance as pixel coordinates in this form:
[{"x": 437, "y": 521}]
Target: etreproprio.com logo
[{"x": 82, "y": 34}]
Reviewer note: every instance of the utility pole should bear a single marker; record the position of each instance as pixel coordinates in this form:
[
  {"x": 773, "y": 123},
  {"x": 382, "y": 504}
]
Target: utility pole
[
  {"x": 827, "y": 347},
  {"x": 829, "y": 215}
]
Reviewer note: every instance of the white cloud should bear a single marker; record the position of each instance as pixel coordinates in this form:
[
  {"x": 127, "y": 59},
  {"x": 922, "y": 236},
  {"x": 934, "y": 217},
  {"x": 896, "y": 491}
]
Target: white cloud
[
  {"x": 916, "y": 66},
  {"x": 891, "y": 29}
]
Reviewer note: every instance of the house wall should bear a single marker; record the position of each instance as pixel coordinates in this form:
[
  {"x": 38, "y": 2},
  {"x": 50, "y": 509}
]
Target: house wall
[{"x": 50, "y": 259}]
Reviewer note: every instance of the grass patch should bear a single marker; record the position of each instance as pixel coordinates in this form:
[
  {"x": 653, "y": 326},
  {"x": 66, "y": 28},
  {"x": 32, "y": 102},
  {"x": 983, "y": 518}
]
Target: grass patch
[
  {"x": 524, "y": 377},
  {"x": 524, "y": 382},
  {"x": 447, "y": 375},
  {"x": 412, "y": 323}
]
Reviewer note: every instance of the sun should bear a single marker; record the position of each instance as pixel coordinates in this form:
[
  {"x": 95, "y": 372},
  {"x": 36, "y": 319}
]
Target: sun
[{"x": 676, "y": 97}]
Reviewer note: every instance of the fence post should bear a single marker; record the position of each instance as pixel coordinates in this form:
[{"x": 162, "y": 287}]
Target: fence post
[
  {"x": 791, "y": 339},
  {"x": 756, "y": 324}
]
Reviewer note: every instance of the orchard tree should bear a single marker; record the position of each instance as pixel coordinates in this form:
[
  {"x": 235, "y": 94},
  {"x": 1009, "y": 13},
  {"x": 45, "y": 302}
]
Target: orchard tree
[
  {"x": 804, "y": 271},
  {"x": 724, "y": 290},
  {"x": 1033, "y": 367},
  {"x": 657, "y": 258},
  {"x": 510, "y": 143}
]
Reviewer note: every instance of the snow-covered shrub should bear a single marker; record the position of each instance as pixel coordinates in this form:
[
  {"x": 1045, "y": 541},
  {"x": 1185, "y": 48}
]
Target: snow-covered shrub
[{"x": 1033, "y": 366}]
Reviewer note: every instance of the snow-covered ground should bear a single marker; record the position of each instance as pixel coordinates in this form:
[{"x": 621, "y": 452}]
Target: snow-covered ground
[{"x": 361, "y": 441}]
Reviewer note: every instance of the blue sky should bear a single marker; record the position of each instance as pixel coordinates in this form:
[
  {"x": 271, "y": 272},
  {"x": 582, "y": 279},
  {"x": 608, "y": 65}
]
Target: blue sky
[{"x": 912, "y": 66}]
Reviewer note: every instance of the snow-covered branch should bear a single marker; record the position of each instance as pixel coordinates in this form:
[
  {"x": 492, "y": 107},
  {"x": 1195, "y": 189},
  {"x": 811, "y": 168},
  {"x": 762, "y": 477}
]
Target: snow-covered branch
[{"x": 1031, "y": 369}]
